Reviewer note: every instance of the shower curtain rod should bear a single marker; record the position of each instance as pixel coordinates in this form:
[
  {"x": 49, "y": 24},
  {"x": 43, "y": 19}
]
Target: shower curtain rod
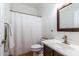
[
  {"x": 24, "y": 13},
  {"x": 7, "y": 24}
]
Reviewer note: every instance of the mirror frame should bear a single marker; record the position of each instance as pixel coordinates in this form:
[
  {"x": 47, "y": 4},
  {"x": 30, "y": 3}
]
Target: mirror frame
[{"x": 58, "y": 21}]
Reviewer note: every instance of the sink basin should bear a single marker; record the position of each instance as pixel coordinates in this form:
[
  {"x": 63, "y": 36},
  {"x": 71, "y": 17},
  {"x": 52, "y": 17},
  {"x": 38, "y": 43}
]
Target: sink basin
[
  {"x": 65, "y": 46},
  {"x": 61, "y": 45}
]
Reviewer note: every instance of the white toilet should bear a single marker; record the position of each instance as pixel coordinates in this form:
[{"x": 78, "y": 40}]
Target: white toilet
[{"x": 36, "y": 48}]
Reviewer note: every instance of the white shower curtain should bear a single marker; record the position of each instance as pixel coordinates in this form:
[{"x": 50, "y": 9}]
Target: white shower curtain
[{"x": 27, "y": 31}]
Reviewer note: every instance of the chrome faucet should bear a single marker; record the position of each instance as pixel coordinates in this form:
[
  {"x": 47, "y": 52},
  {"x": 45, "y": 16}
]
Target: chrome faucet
[{"x": 65, "y": 39}]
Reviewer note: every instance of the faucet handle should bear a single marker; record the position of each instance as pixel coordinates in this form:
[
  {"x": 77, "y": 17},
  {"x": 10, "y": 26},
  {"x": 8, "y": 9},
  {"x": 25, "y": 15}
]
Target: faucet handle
[{"x": 65, "y": 36}]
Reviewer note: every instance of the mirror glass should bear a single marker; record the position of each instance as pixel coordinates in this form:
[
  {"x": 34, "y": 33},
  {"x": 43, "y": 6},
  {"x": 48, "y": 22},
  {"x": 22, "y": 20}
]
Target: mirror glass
[{"x": 69, "y": 16}]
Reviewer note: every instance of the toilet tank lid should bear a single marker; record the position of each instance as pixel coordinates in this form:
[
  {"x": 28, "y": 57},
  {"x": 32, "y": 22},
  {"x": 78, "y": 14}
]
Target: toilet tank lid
[{"x": 36, "y": 46}]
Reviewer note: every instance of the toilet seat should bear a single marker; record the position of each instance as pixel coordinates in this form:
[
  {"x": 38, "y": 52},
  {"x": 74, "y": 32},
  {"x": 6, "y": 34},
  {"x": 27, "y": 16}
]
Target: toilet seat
[{"x": 36, "y": 47}]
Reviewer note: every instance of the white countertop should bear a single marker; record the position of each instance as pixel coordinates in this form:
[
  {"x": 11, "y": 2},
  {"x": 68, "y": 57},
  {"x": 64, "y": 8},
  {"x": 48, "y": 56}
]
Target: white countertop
[{"x": 64, "y": 49}]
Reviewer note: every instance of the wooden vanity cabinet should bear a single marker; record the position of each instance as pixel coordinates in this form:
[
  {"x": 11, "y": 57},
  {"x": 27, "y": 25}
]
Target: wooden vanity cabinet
[
  {"x": 50, "y": 52},
  {"x": 47, "y": 51}
]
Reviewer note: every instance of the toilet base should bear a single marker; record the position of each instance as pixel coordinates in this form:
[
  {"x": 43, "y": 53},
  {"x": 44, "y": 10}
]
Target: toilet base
[{"x": 36, "y": 53}]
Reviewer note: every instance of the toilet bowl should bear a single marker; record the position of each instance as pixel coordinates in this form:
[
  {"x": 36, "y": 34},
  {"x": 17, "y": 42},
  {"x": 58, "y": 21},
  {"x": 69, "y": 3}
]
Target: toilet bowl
[{"x": 36, "y": 48}]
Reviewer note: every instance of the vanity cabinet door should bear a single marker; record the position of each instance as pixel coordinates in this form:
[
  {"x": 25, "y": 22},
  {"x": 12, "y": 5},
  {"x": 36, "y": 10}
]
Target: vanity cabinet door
[
  {"x": 57, "y": 54},
  {"x": 47, "y": 51}
]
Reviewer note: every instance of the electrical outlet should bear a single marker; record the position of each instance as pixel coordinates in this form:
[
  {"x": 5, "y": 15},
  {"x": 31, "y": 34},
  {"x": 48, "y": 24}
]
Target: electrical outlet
[{"x": 51, "y": 30}]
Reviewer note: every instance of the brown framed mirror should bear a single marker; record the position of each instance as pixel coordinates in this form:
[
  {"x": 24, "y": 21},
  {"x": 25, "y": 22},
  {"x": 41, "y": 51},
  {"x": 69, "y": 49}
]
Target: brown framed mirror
[{"x": 68, "y": 17}]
